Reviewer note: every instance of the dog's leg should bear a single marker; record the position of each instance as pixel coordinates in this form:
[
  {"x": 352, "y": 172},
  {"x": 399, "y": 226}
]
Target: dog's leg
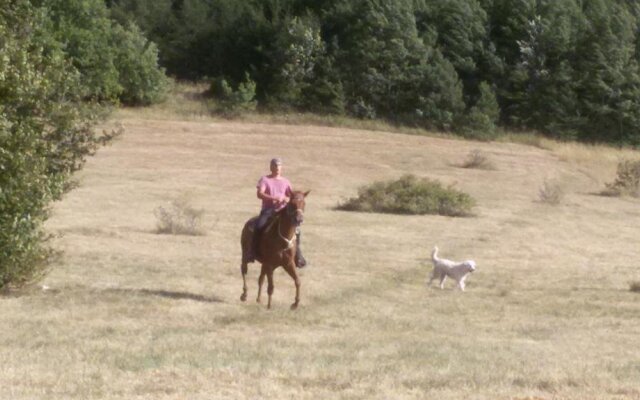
[
  {"x": 442, "y": 278},
  {"x": 462, "y": 283},
  {"x": 433, "y": 276}
]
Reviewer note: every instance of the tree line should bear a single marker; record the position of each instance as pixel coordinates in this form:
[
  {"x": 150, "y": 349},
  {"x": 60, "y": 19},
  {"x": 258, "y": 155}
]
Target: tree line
[{"x": 566, "y": 68}]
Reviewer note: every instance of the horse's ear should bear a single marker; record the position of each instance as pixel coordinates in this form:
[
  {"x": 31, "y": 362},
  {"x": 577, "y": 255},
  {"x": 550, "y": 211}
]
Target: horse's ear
[{"x": 306, "y": 193}]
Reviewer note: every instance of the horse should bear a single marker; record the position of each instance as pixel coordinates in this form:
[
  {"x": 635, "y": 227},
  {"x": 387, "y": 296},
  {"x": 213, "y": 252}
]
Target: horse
[{"x": 277, "y": 247}]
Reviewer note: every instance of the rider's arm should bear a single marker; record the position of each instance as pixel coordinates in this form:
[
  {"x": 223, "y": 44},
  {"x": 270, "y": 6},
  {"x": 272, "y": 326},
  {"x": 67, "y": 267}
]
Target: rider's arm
[{"x": 264, "y": 196}]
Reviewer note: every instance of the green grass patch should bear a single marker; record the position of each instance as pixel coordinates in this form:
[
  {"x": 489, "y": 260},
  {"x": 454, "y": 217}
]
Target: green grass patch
[{"x": 410, "y": 195}]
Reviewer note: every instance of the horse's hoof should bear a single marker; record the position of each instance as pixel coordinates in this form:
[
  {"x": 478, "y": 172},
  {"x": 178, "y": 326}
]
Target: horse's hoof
[
  {"x": 243, "y": 297},
  {"x": 294, "y": 306},
  {"x": 258, "y": 300}
]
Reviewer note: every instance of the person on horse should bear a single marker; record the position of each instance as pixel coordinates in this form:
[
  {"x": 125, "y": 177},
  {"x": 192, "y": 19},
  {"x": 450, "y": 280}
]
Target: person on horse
[{"x": 275, "y": 191}]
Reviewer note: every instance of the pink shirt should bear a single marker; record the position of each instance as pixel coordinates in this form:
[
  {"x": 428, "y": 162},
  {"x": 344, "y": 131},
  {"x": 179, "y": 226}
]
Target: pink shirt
[{"x": 277, "y": 187}]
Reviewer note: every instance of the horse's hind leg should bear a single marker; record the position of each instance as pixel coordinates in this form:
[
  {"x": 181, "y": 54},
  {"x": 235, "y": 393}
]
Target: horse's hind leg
[
  {"x": 291, "y": 270},
  {"x": 263, "y": 272},
  {"x": 243, "y": 268}
]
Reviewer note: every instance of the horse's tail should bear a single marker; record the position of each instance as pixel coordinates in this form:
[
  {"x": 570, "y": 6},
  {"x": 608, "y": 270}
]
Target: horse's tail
[{"x": 245, "y": 243}]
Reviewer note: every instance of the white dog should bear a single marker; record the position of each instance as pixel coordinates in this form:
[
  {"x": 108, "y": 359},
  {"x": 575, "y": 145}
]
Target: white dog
[{"x": 455, "y": 270}]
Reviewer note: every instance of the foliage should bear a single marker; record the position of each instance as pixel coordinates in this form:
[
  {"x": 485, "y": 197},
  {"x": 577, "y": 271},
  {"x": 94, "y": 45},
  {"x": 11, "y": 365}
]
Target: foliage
[
  {"x": 84, "y": 29},
  {"x": 45, "y": 135},
  {"x": 136, "y": 60},
  {"x": 115, "y": 63},
  {"x": 479, "y": 122},
  {"x": 627, "y": 180},
  {"x": 410, "y": 195},
  {"x": 566, "y": 68},
  {"x": 230, "y": 101},
  {"x": 294, "y": 55}
]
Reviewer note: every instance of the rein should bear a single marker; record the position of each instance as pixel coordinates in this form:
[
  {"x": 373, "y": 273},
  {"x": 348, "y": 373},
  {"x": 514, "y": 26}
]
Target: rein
[{"x": 287, "y": 240}]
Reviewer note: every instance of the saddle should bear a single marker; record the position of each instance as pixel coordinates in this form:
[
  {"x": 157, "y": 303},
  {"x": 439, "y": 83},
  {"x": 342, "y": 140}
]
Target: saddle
[{"x": 256, "y": 236}]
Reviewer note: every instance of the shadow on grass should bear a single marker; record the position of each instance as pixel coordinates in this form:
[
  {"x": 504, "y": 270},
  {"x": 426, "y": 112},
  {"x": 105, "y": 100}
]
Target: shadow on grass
[{"x": 169, "y": 294}]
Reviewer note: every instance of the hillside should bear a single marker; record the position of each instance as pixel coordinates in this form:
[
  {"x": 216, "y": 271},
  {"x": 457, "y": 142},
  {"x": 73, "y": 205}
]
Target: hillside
[{"x": 128, "y": 313}]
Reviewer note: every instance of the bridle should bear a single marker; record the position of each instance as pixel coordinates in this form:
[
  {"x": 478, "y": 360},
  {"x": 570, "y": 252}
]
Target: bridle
[{"x": 296, "y": 215}]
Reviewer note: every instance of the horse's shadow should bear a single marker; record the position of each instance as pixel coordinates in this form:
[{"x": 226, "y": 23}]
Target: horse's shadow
[{"x": 170, "y": 294}]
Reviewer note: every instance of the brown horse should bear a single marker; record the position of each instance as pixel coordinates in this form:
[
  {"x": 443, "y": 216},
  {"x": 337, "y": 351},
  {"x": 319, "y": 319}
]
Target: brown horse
[{"x": 277, "y": 247}]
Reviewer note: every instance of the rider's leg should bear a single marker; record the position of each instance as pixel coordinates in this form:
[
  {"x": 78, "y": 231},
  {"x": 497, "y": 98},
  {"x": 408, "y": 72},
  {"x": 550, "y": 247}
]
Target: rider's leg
[{"x": 257, "y": 230}]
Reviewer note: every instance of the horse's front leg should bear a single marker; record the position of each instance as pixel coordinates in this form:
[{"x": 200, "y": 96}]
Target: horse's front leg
[
  {"x": 263, "y": 272},
  {"x": 270, "y": 286},
  {"x": 291, "y": 270},
  {"x": 243, "y": 268}
]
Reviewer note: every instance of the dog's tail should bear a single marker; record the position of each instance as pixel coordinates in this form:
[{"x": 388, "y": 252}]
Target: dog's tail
[{"x": 434, "y": 253}]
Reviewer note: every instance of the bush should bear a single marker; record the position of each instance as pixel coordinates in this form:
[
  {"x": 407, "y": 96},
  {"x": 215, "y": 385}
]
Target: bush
[
  {"x": 136, "y": 60},
  {"x": 85, "y": 29},
  {"x": 45, "y": 135},
  {"x": 179, "y": 219},
  {"x": 627, "y": 181},
  {"x": 551, "y": 193},
  {"x": 477, "y": 159},
  {"x": 480, "y": 120},
  {"x": 635, "y": 286},
  {"x": 231, "y": 102},
  {"x": 410, "y": 195}
]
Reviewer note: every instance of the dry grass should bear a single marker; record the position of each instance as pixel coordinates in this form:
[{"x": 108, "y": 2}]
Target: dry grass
[{"x": 129, "y": 314}]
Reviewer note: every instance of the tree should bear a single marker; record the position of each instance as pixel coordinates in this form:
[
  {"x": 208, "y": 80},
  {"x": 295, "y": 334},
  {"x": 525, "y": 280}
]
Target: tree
[
  {"x": 45, "y": 136},
  {"x": 386, "y": 68},
  {"x": 608, "y": 75},
  {"x": 545, "y": 72}
]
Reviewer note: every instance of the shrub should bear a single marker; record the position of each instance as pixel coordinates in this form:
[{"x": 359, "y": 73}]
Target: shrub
[
  {"x": 410, "y": 195},
  {"x": 551, "y": 193},
  {"x": 85, "y": 29},
  {"x": 635, "y": 286},
  {"x": 477, "y": 159},
  {"x": 179, "y": 219},
  {"x": 45, "y": 135},
  {"x": 231, "y": 101},
  {"x": 627, "y": 180},
  {"x": 480, "y": 120},
  {"x": 136, "y": 60}
]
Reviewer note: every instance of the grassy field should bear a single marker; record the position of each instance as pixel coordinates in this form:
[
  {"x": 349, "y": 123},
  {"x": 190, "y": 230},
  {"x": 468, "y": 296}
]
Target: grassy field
[{"x": 131, "y": 314}]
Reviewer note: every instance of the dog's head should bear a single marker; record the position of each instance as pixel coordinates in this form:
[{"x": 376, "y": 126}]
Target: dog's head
[{"x": 470, "y": 265}]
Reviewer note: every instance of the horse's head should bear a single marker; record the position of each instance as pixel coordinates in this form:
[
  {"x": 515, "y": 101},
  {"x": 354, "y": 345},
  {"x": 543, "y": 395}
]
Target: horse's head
[{"x": 295, "y": 208}]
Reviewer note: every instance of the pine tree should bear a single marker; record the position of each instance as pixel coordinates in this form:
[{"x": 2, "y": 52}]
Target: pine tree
[{"x": 608, "y": 75}]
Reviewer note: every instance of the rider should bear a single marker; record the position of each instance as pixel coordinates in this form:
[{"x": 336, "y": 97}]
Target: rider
[{"x": 275, "y": 192}]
